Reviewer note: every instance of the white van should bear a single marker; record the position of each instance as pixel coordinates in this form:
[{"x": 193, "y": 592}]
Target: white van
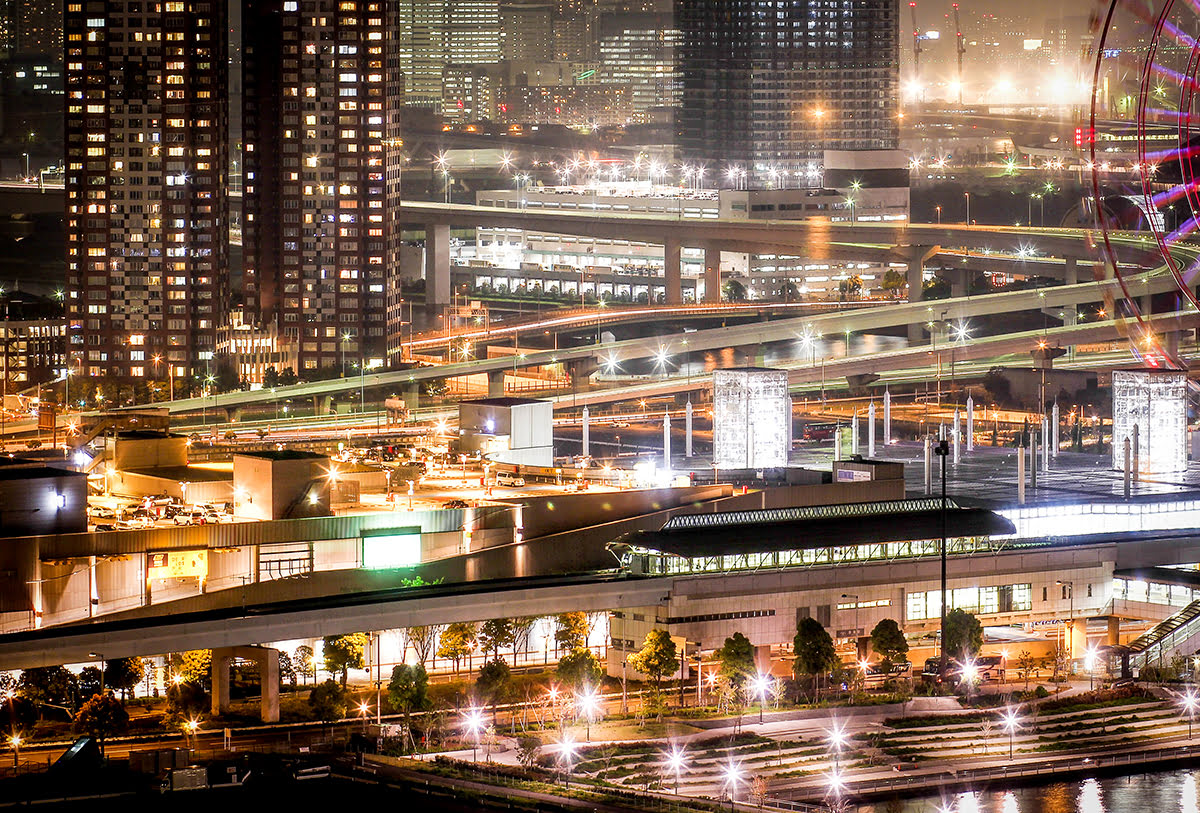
[{"x": 508, "y": 478}]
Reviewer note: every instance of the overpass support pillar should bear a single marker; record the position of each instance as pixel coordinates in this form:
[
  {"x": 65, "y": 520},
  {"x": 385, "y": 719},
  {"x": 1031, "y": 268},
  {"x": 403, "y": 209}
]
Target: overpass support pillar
[
  {"x": 915, "y": 257},
  {"x": 672, "y": 271},
  {"x": 959, "y": 282},
  {"x": 1114, "y": 631},
  {"x": 232, "y": 414},
  {"x": 580, "y": 371},
  {"x": 712, "y": 275},
  {"x": 412, "y": 396},
  {"x": 1170, "y": 343},
  {"x": 1070, "y": 277},
  {"x": 752, "y": 355},
  {"x": 496, "y": 384},
  {"x": 1078, "y": 643},
  {"x": 437, "y": 266},
  {"x": 268, "y": 671},
  {"x": 321, "y": 404}
]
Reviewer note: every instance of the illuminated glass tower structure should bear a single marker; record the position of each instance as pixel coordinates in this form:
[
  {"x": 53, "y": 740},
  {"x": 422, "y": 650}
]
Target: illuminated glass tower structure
[
  {"x": 146, "y": 208},
  {"x": 321, "y": 122},
  {"x": 773, "y": 83}
]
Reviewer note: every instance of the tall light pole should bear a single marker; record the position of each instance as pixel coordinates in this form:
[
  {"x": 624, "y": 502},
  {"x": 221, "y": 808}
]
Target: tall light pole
[
  {"x": 1011, "y": 723},
  {"x": 1069, "y": 634},
  {"x": 942, "y": 450},
  {"x": 676, "y": 760},
  {"x": 967, "y": 195}
]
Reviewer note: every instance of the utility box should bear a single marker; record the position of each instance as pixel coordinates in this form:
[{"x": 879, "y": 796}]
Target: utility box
[
  {"x": 282, "y": 484},
  {"x": 193, "y": 778}
]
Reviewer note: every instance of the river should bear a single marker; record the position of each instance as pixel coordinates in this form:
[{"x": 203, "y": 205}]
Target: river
[{"x": 1176, "y": 791}]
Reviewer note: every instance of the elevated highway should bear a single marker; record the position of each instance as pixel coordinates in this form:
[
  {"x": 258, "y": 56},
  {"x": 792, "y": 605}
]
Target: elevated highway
[{"x": 748, "y": 337}]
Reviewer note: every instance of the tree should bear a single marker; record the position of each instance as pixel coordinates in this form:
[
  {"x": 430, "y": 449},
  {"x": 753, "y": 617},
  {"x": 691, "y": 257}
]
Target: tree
[
  {"x": 422, "y": 640},
  {"x": 894, "y": 282},
  {"x": 814, "y": 651},
  {"x": 656, "y": 659},
  {"x": 736, "y": 658},
  {"x": 186, "y": 699},
  {"x": 528, "y": 748},
  {"x": 1026, "y": 663},
  {"x": 344, "y": 652},
  {"x": 570, "y": 631},
  {"x": 329, "y": 701},
  {"x": 495, "y": 634},
  {"x": 124, "y": 674},
  {"x": 408, "y": 691},
  {"x": 936, "y": 288},
  {"x": 194, "y": 665},
  {"x": 270, "y": 378},
  {"x": 287, "y": 670},
  {"x": 288, "y": 377},
  {"x": 964, "y": 635},
  {"x": 457, "y": 642},
  {"x": 101, "y": 717},
  {"x": 788, "y": 291},
  {"x": 48, "y": 685},
  {"x": 889, "y": 642},
  {"x": 90, "y": 679},
  {"x": 492, "y": 683},
  {"x": 522, "y": 629},
  {"x": 579, "y": 668},
  {"x": 735, "y": 291},
  {"x": 302, "y": 660}
]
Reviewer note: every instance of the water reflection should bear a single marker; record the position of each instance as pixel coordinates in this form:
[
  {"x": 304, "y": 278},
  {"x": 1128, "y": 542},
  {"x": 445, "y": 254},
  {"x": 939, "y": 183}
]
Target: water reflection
[
  {"x": 1140, "y": 793},
  {"x": 1187, "y": 795},
  {"x": 1089, "y": 797}
]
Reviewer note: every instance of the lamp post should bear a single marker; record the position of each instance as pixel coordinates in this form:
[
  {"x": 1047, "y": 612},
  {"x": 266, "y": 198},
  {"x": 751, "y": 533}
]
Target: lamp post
[
  {"x": 676, "y": 760},
  {"x": 1189, "y": 701},
  {"x": 363, "y": 708},
  {"x": 760, "y": 689},
  {"x": 566, "y": 754},
  {"x": 473, "y": 720},
  {"x": 589, "y": 704},
  {"x": 1069, "y": 632},
  {"x": 1089, "y": 662},
  {"x": 942, "y": 450},
  {"x": 837, "y": 738},
  {"x": 15, "y": 742},
  {"x": 100, "y": 657},
  {"x": 967, "y": 195},
  {"x": 1011, "y": 723},
  {"x": 733, "y": 775},
  {"x": 938, "y": 209}
]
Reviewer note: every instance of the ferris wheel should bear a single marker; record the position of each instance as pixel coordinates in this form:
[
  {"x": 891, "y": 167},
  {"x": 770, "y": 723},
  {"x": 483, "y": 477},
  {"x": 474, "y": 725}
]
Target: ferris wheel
[{"x": 1143, "y": 149}]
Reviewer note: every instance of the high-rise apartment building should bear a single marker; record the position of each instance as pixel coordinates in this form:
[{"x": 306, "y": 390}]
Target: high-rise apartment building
[
  {"x": 146, "y": 207},
  {"x": 435, "y": 33},
  {"x": 638, "y": 50},
  {"x": 321, "y": 153},
  {"x": 769, "y": 84}
]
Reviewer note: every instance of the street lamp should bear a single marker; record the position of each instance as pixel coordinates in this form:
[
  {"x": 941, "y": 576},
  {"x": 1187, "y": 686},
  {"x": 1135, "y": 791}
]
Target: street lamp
[
  {"x": 15, "y": 742},
  {"x": 100, "y": 657},
  {"x": 589, "y": 704},
  {"x": 473, "y": 720},
  {"x": 760, "y": 685},
  {"x": 1011, "y": 723},
  {"x": 733, "y": 775},
  {"x": 1189, "y": 701},
  {"x": 1070, "y": 631},
  {"x": 363, "y": 708},
  {"x": 1090, "y": 656},
  {"x": 192, "y": 727},
  {"x": 837, "y": 738},
  {"x": 676, "y": 761},
  {"x": 967, "y": 195},
  {"x": 566, "y": 754}
]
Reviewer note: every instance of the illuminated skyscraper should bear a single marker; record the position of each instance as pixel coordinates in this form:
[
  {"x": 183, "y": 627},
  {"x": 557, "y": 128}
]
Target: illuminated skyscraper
[
  {"x": 321, "y": 153},
  {"x": 146, "y": 207},
  {"x": 772, "y": 83}
]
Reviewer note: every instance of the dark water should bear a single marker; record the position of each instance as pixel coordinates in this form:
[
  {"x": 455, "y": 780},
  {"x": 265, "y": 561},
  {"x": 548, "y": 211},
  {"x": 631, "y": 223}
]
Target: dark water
[{"x": 1166, "y": 792}]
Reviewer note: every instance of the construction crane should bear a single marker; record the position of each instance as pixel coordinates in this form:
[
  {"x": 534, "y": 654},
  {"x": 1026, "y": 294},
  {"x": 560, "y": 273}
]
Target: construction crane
[
  {"x": 961, "y": 49},
  {"x": 912, "y": 8}
]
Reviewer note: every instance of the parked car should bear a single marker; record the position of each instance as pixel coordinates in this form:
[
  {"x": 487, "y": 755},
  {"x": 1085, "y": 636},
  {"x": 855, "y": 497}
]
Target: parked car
[
  {"x": 508, "y": 478},
  {"x": 189, "y": 516},
  {"x": 102, "y": 511}
]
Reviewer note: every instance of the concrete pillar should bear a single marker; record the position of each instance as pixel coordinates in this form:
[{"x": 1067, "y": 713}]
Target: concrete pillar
[
  {"x": 437, "y": 266},
  {"x": 958, "y": 283},
  {"x": 854, "y": 433},
  {"x": 1045, "y": 444},
  {"x": 1056, "y": 420},
  {"x": 1114, "y": 631},
  {"x": 871, "y": 430},
  {"x": 232, "y": 414},
  {"x": 1146, "y": 305},
  {"x": 1170, "y": 343},
  {"x": 268, "y": 679},
  {"x": 970, "y": 424},
  {"x": 687, "y": 425},
  {"x": 221, "y": 658},
  {"x": 1078, "y": 637},
  {"x": 496, "y": 384},
  {"x": 321, "y": 404},
  {"x": 268, "y": 672},
  {"x": 712, "y": 274},
  {"x": 887, "y": 417},
  {"x": 412, "y": 395},
  {"x": 916, "y": 280},
  {"x": 1070, "y": 277},
  {"x": 1020, "y": 475},
  {"x": 672, "y": 271},
  {"x": 667, "y": 440},
  {"x": 928, "y": 464},
  {"x": 586, "y": 439},
  {"x": 956, "y": 439},
  {"x": 580, "y": 371}
]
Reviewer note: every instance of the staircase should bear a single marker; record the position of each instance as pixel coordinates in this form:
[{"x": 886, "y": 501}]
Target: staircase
[{"x": 1179, "y": 634}]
